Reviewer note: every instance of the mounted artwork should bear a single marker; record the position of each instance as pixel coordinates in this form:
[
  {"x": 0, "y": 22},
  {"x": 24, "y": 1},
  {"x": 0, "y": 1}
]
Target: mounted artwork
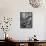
[
  {"x": 5, "y": 24},
  {"x": 36, "y": 3},
  {"x": 25, "y": 19}
]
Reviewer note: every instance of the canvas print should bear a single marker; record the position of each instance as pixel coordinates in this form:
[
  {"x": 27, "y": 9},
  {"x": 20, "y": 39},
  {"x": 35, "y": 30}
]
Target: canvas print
[{"x": 25, "y": 19}]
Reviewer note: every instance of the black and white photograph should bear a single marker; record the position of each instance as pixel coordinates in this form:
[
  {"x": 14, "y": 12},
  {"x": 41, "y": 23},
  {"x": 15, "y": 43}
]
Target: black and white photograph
[{"x": 25, "y": 19}]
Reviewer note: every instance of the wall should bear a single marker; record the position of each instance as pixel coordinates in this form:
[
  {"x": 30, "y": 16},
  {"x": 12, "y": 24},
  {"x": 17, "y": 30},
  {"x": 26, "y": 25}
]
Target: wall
[{"x": 12, "y": 8}]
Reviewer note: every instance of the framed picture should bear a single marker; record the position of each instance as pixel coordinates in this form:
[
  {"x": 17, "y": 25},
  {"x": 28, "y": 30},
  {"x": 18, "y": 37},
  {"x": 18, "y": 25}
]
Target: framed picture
[
  {"x": 36, "y": 3},
  {"x": 25, "y": 19}
]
